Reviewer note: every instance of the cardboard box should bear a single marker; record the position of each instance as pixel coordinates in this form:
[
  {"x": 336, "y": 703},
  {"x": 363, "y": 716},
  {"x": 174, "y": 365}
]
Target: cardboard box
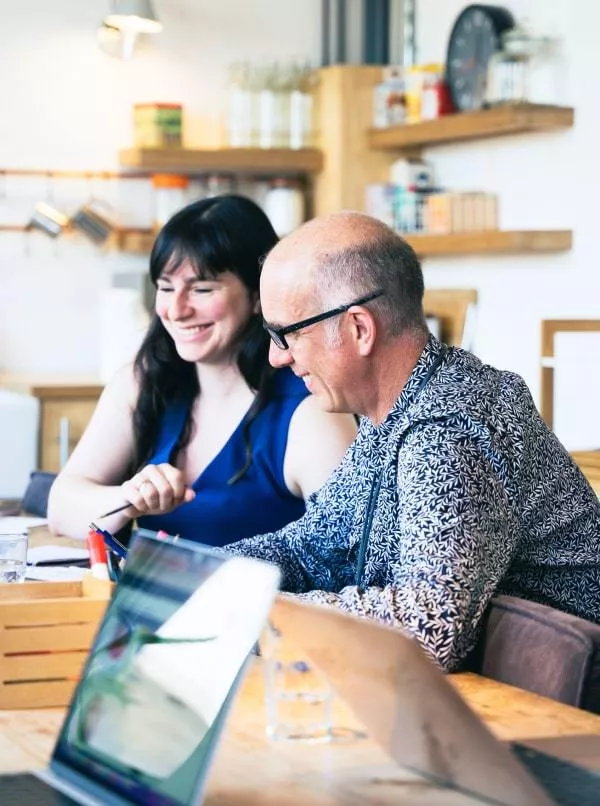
[{"x": 157, "y": 125}]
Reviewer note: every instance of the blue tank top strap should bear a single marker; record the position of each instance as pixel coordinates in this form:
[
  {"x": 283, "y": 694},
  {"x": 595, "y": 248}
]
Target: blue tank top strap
[{"x": 170, "y": 430}]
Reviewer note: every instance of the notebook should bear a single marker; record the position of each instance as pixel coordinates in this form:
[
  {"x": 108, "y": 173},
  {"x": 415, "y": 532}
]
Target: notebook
[
  {"x": 149, "y": 709},
  {"x": 411, "y": 709}
]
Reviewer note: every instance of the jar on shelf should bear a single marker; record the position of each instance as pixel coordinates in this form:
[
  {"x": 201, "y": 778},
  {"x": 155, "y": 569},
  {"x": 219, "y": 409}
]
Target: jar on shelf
[
  {"x": 218, "y": 184},
  {"x": 510, "y": 69},
  {"x": 170, "y": 195},
  {"x": 284, "y": 205}
]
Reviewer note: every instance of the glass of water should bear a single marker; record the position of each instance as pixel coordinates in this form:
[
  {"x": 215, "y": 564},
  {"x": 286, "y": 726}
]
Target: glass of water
[
  {"x": 13, "y": 557},
  {"x": 299, "y": 698}
]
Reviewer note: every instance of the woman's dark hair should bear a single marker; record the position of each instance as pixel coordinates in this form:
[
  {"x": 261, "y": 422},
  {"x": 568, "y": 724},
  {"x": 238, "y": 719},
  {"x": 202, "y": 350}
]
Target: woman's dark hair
[{"x": 224, "y": 233}]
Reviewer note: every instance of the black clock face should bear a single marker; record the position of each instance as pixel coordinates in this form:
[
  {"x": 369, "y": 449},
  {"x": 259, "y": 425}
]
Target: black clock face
[{"x": 474, "y": 39}]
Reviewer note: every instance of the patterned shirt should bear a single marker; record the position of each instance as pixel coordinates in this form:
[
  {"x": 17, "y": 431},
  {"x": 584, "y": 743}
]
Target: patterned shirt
[{"x": 460, "y": 493}]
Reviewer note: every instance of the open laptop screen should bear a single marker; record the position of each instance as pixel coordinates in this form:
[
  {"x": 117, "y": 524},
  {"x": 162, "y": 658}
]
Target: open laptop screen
[{"x": 150, "y": 706}]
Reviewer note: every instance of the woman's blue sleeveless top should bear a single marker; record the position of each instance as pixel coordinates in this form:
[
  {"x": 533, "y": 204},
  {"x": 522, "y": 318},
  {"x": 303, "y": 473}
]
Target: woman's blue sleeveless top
[{"x": 259, "y": 501}]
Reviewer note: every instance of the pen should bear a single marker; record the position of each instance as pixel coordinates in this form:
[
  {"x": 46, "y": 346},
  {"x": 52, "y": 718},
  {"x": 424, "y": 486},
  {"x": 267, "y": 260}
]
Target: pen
[
  {"x": 110, "y": 541},
  {"x": 114, "y": 511}
]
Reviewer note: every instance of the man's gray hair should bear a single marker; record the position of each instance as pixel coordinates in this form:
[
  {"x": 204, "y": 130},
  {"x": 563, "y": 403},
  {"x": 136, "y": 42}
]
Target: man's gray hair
[{"x": 383, "y": 262}]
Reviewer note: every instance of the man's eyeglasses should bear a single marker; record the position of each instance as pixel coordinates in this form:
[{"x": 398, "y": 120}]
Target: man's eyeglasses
[{"x": 278, "y": 334}]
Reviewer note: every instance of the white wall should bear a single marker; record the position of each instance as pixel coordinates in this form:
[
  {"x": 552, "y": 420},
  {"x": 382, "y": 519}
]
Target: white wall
[
  {"x": 65, "y": 104},
  {"x": 543, "y": 181}
]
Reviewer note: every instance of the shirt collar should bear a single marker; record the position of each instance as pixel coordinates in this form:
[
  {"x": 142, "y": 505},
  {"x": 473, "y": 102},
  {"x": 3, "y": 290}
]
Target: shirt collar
[{"x": 432, "y": 352}]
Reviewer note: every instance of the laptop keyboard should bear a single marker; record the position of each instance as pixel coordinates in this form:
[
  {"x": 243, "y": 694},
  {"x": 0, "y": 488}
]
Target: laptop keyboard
[
  {"x": 568, "y": 784},
  {"x": 27, "y": 790}
]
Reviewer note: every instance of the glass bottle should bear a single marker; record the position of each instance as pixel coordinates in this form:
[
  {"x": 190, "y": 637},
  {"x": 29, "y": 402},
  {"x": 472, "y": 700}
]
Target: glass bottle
[
  {"x": 239, "y": 106},
  {"x": 267, "y": 106},
  {"x": 300, "y": 108}
]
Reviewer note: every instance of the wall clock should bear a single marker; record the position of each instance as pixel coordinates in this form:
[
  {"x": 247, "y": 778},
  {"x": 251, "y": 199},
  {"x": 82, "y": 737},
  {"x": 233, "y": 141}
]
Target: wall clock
[{"x": 474, "y": 38}]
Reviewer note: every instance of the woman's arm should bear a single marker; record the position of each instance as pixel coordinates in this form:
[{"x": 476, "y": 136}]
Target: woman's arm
[
  {"x": 317, "y": 440},
  {"x": 90, "y": 482},
  {"x": 95, "y": 479}
]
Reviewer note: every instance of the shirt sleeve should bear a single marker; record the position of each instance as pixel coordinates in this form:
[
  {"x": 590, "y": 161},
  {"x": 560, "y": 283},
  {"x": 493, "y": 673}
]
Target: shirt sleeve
[
  {"x": 312, "y": 552},
  {"x": 458, "y": 533}
]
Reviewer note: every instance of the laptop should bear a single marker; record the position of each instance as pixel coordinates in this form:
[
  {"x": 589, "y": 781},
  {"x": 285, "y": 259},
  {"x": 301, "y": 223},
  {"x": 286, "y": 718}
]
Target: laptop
[
  {"x": 148, "y": 712},
  {"x": 411, "y": 710}
]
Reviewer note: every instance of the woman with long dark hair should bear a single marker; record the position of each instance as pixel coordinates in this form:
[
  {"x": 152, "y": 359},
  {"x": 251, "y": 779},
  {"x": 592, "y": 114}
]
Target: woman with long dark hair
[{"x": 200, "y": 434}]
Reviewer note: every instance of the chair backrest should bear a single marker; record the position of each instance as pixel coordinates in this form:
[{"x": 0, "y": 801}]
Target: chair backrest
[
  {"x": 542, "y": 650},
  {"x": 35, "y": 498}
]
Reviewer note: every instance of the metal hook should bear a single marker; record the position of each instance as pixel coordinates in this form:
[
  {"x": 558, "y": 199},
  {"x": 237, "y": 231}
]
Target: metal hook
[{"x": 49, "y": 186}]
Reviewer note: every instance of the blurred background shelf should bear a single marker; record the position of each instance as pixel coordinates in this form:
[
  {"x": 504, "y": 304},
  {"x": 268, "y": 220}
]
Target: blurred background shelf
[
  {"x": 495, "y": 122},
  {"x": 491, "y": 242},
  {"x": 254, "y": 161}
]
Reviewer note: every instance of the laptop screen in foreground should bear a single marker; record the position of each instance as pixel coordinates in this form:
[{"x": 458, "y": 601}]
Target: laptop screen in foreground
[{"x": 149, "y": 708}]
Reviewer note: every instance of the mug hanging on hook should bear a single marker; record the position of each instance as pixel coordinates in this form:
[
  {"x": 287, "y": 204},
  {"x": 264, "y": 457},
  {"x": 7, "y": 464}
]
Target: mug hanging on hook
[
  {"x": 46, "y": 217},
  {"x": 95, "y": 219}
]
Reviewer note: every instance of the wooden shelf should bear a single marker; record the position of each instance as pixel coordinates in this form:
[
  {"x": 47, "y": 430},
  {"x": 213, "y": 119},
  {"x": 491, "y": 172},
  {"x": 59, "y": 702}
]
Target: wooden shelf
[
  {"x": 491, "y": 242},
  {"x": 254, "y": 161},
  {"x": 488, "y": 242},
  {"x": 495, "y": 122}
]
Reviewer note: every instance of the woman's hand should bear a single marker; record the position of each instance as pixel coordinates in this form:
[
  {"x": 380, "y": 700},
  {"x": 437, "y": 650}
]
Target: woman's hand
[{"x": 157, "y": 489}]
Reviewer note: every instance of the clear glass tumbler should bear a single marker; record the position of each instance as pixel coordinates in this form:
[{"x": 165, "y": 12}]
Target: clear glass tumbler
[
  {"x": 13, "y": 557},
  {"x": 299, "y": 698}
]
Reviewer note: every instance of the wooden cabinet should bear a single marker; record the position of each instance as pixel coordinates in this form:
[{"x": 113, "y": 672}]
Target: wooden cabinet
[
  {"x": 65, "y": 409},
  {"x": 63, "y": 421}
]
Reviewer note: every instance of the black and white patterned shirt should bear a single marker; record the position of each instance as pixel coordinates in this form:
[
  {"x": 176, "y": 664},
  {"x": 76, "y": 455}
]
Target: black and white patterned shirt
[{"x": 461, "y": 492}]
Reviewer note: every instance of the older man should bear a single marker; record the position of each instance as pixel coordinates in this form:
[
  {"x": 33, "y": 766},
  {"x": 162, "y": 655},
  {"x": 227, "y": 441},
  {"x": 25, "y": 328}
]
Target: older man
[{"x": 454, "y": 488}]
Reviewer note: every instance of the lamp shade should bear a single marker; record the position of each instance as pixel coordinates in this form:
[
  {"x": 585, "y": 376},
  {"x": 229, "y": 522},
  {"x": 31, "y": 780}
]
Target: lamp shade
[{"x": 133, "y": 15}]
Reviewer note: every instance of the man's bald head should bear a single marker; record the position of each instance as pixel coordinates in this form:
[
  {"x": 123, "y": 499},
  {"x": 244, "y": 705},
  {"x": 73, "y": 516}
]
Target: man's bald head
[
  {"x": 347, "y": 255},
  {"x": 329, "y": 234}
]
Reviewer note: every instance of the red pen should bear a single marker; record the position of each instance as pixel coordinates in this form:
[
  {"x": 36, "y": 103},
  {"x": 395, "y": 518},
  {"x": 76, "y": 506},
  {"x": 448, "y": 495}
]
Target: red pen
[{"x": 97, "y": 549}]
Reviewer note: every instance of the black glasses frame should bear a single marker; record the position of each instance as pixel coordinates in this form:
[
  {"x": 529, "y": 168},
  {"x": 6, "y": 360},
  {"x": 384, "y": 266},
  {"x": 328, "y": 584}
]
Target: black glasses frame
[{"x": 278, "y": 334}]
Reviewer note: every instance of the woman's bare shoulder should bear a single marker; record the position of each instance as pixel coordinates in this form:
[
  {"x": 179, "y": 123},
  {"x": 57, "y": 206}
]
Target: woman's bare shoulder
[
  {"x": 123, "y": 386},
  {"x": 317, "y": 441},
  {"x": 310, "y": 416}
]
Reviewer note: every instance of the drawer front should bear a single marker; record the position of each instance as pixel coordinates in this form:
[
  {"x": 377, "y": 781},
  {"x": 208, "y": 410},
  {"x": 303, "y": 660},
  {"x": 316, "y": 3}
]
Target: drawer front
[{"x": 62, "y": 421}]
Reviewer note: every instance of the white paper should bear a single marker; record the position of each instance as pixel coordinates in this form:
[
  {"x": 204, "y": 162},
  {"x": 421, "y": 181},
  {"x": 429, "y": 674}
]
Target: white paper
[
  {"x": 56, "y": 554},
  {"x": 19, "y": 524}
]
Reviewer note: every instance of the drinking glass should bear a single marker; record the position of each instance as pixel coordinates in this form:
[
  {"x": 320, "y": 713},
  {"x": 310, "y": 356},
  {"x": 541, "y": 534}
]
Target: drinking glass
[
  {"x": 13, "y": 557},
  {"x": 299, "y": 698}
]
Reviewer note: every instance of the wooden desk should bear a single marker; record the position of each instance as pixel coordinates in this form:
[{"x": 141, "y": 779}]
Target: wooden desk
[{"x": 249, "y": 769}]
